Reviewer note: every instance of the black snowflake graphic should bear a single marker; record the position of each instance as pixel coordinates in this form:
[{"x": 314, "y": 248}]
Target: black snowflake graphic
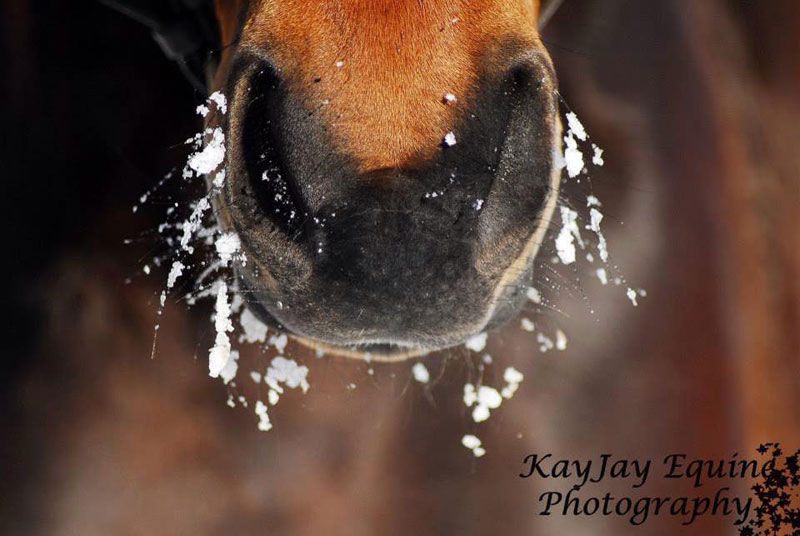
[{"x": 775, "y": 495}]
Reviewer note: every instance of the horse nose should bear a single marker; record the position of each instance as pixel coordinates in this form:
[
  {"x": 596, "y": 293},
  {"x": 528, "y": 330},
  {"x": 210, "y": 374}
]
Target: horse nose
[{"x": 412, "y": 252}]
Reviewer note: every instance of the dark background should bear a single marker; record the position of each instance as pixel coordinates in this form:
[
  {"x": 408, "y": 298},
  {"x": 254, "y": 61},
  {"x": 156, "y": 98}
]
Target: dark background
[{"x": 94, "y": 115}]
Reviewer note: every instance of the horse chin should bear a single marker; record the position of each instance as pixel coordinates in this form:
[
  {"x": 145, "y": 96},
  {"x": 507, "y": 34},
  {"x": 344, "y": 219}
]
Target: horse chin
[
  {"x": 385, "y": 348},
  {"x": 379, "y": 352}
]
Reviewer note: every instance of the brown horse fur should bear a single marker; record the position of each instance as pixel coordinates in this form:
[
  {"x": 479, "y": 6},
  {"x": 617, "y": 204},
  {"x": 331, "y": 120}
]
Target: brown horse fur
[{"x": 398, "y": 59}]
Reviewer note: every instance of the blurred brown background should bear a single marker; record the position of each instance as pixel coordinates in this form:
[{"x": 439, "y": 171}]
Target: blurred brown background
[{"x": 696, "y": 104}]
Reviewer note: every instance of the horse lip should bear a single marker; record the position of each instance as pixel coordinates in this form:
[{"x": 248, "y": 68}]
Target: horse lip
[{"x": 378, "y": 352}]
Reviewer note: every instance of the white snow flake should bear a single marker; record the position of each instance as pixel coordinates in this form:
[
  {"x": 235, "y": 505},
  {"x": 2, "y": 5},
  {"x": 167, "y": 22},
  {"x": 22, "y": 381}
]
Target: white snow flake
[
  {"x": 476, "y": 343},
  {"x": 220, "y": 353},
  {"x": 174, "y": 273},
  {"x": 211, "y": 156},
  {"x": 227, "y": 245},
  {"x": 565, "y": 241},
  {"x": 420, "y": 373},
  {"x": 253, "y": 329}
]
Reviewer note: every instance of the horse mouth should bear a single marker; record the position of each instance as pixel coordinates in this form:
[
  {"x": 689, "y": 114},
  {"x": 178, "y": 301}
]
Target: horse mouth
[{"x": 379, "y": 350}]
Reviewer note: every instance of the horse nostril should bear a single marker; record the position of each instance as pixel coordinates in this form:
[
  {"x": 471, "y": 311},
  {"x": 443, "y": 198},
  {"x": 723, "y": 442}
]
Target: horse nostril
[
  {"x": 263, "y": 149},
  {"x": 522, "y": 78}
]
